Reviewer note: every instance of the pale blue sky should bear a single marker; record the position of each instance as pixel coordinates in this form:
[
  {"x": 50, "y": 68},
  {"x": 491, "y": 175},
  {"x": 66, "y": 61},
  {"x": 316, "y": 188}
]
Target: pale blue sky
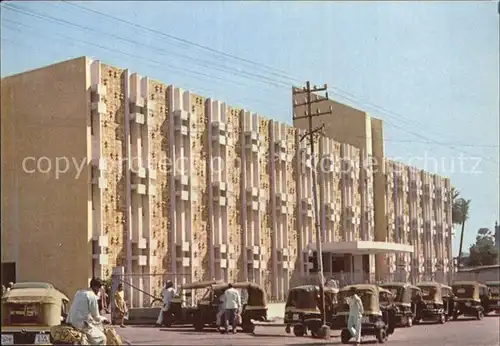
[{"x": 430, "y": 69}]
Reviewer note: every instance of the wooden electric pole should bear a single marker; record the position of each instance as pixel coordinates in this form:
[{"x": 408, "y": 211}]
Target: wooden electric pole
[{"x": 310, "y": 135}]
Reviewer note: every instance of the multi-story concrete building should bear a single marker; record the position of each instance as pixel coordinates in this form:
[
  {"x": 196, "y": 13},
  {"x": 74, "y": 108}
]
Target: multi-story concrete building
[
  {"x": 401, "y": 205},
  {"x": 103, "y": 168}
]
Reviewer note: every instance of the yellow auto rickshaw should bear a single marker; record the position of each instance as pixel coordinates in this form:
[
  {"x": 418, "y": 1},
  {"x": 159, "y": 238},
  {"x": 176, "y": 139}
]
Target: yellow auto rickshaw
[
  {"x": 404, "y": 299},
  {"x": 254, "y": 306},
  {"x": 29, "y": 310},
  {"x": 303, "y": 309},
  {"x": 470, "y": 299},
  {"x": 494, "y": 296},
  {"x": 435, "y": 302},
  {"x": 379, "y": 317}
]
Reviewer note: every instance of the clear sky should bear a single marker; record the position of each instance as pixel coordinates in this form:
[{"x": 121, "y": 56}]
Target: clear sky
[{"x": 429, "y": 69}]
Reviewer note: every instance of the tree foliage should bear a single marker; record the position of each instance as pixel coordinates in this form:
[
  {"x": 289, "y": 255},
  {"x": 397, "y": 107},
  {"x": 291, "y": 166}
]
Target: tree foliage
[
  {"x": 461, "y": 207},
  {"x": 484, "y": 251}
]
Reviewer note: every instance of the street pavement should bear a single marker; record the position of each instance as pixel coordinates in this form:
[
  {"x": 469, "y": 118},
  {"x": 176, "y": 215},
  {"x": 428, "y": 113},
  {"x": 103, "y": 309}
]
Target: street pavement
[{"x": 466, "y": 332}]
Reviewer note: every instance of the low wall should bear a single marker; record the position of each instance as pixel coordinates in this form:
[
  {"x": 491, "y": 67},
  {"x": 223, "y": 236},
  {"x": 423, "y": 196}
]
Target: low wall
[
  {"x": 487, "y": 274},
  {"x": 149, "y": 315}
]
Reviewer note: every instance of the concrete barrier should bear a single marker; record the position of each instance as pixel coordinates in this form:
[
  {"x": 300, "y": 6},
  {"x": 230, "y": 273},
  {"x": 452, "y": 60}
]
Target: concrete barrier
[{"x": 146, "y": 316}]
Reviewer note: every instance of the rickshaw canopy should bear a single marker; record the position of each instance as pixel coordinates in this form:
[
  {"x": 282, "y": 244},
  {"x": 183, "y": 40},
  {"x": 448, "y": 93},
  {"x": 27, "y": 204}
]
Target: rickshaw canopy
[
  {"x": 201, "y": 284},
  {"x": 401, "y": 291},
  {"x": 467, "y": 290},
  {"x": 494, "y": 288},
  {"x": 306, "y": 297},
  {"x": 256, "y": 293},
  {"x": 433, "y": 291},
  {"x": 40, "y": 295},
  {"x": 369, "y": 295}
]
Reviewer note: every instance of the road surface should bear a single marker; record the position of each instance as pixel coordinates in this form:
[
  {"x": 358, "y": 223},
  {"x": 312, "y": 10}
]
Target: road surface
[{"x": 454, "y": 333}]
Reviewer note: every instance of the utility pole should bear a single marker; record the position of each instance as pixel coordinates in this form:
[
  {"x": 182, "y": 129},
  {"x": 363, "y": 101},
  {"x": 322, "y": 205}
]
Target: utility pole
[{"x": 310, "y": 134}]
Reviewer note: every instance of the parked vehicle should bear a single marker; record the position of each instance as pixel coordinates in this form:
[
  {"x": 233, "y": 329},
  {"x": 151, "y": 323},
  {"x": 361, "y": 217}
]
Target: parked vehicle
[
  {"x": 436, "y": 303},
  {"x": 303, "y": 309},
  {"x": 29, "y": 310},
  {"x": 494, "y": 297},
  {"x": 405, "y": 296},
  {"x": 184, "y": 305},
  {"x": 379, "y": 318},
  {"x": 253, "y": 300},
  {"x": 471, "y": 299}
]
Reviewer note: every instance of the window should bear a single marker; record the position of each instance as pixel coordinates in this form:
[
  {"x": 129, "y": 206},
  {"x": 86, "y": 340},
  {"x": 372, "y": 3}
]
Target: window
[{"x": 23, "y": 314}]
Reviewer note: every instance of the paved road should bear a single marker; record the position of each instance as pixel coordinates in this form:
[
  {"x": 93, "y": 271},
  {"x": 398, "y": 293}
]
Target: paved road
[{"x": 454, "y": 333}]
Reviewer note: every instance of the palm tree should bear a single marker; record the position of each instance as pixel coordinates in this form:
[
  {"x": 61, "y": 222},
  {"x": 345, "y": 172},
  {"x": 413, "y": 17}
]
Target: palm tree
[
  {"x": 462, "y": 210},
  {"x": 455, "y": 209}
]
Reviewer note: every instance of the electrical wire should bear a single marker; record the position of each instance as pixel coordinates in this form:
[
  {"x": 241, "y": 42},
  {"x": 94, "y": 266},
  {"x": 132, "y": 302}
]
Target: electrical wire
[{"x": 223, "y": 69}]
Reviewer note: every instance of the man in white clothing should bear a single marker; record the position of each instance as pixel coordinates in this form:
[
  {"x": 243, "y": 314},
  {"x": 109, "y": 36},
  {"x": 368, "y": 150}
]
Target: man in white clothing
[
  {"x": 84, "y": 314},
  {"x": 167, "y": 293},
  {"x": 355, "y": 315},
  {"x": 232, "y": 305}
]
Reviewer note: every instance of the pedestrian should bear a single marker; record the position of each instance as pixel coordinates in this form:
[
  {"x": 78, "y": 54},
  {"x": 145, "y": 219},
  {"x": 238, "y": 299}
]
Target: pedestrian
[
  {"x": 167, "y": 294},
  {"x": 84, "y": 314},
  {"x": 232, "y": 306},
  {"x": 9, "y": 286},
  {"x": 120, "y": 306},
  {"x": 355, "y": 315},
  {"x": 221, "y": 312},
  {"x": 103, "y": 299},
  {"x": 4, "y": 290}
]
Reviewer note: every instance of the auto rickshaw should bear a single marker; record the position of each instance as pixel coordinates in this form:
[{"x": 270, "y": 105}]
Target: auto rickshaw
[
  {"x": 303, "y": 309},
  {"x": 183, "y": 305},
  {"x": 404, "y": 299},
  {"x": 29, "y": 310},
  {"x": 379, "y": 317},
  {"x": 494, "y": 296},
  {"x": 254, "y": 306},
  {"x": 435, "y": 302},
  {"x": 470, "y": 299}
]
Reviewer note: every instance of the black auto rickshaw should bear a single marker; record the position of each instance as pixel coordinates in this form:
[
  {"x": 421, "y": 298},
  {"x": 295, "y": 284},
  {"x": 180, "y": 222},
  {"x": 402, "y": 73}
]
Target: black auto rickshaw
[
  {"x": 303, "y": 309},
  {"x": 434, "y": 303},
  {"x": 379, "y": 317},
  {"x": 183, "y": 304},
  {"x": 254, "y": 306},
  {"x": 470, "y": 299},
  {"x": 494, "y": 296},
  {"x": 405, "y": 296}
]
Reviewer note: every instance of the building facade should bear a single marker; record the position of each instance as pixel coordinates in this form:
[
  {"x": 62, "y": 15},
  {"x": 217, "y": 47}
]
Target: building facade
[{"x": 104, "y": 168}]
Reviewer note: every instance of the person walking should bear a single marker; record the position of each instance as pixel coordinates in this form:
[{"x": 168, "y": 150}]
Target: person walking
[
  {"x": 167, "y": 294},
  {"x": 120, "y": 306},
  {"x": 355, "y": 315},
  {"x": 232, "y": 306},
  {"x": 221, "y": 313}
]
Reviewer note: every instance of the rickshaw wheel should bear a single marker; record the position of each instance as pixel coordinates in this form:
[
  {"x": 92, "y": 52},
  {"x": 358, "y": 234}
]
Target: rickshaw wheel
[
  {"x": 299, "y": 330},
  {"x": 381, "y": 336},
  {"x": 409, "y": 321},
  {"x": 345, "y": 336},
  {"x": 248, "y": 328},
  {"x": 199, "y": 326},
  {"x": 479, "y": 315},
  {"x": 442, "y": 319}
]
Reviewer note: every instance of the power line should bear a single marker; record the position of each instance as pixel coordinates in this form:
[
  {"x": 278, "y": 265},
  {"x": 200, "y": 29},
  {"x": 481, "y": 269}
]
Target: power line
[
  {"x": 86, "y": 28},
  {"x": 44, "y": 17},
  {"x": 105, "y": 48},
  {"x": 280, "y": 73}
]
